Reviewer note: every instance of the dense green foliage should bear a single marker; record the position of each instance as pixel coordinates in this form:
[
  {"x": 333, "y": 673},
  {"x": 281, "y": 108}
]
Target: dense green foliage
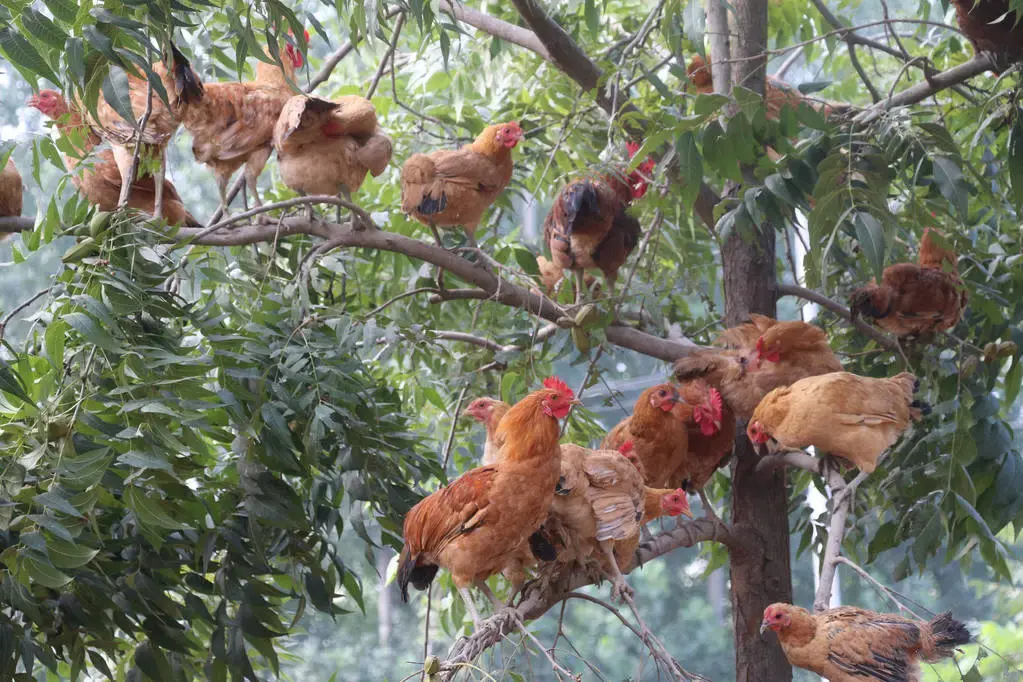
[{"x": 206, "y": 444}]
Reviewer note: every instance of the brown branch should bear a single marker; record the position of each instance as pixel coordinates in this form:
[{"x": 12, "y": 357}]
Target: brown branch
[
  {"x": 495, "y": 27},
  {"x": 799, "y": 459},
  {"x": 473, "y": 340},
  {"x": 21, "y": 306},
  {"x": 820, "y": 299},
  {"x": 12, "y": 224}
]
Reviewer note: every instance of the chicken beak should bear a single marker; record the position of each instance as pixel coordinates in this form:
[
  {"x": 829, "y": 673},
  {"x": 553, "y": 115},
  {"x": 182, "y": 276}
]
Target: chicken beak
[{"x": 764, "y": 627}]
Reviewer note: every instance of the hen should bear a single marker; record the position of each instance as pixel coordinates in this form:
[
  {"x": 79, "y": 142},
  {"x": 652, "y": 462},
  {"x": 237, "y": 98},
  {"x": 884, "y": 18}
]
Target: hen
[
  {"x": 763, "y": 354},
  {"x": 232, "y": 124},
  {"x": 489, "y": 412},
  {"x": 157, "y": 133},
  {"x": 711, "y": 432},
  {"x": 328, "y": 147},
  {"x": 912, "y": 298},
  {"x": 846, "y": 415},
  {"x": 99, "y": 179},
  {"x": 476, "y": 523},
  {"x": 847, "y": 644},
  {"x": 600, "y": 503},
  {"x": 658, "y": 431},
  {"x": 992, "y": 28},
  {"x": 451, "y": 188},
  {"x": 10, "y": 192},
  {"x": 589, "y": 227}
]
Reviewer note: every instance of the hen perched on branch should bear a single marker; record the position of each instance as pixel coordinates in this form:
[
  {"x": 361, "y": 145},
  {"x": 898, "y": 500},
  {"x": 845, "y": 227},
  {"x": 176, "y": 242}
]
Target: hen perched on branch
[
  {"x": 992, "y": 28},
  {"x": 478, "y": 522},
  {"x": 846, "y": 415},
  {"x": 99, "y": 179},
  {"x": 589, "y": 226},
  {"x": 453, "y": 188},
  {"x": 913, "y": 298},
  {"x": 10, "y": 193},
  {"x": 489, "y": 412},
  {"x": 657, "y": 429},
  {"x": 848, "y": 644},
  {"x": 762, "y": 355}
]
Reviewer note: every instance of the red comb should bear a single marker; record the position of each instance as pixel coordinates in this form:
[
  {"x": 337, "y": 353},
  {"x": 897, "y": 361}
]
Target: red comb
[
  {"x": 632, "y": 148},
  {"x": 626, "y": 447},
  {"x": 556, "y": 384},
  {"x": 715, "y": 401}
]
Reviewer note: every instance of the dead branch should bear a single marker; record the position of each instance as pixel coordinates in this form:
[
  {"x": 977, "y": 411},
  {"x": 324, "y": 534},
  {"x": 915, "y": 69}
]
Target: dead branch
[
  {"x": 842, "y": 496},
  {"x": 495, "y": 27}
]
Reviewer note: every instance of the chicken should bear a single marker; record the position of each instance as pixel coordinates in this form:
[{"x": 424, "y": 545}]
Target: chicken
[
  {"x": 326, "y": 147},
  {"x": 476, "y": 523},
  {"x": 451, "y": 188},
  {"x": 992, "y": 28},
  {"x": 10, "y": 193},
  {"x": 763, "y": 354},
  {"x": 658, "y": 431},
  {"x": 600, "y": 502},
  {"x": 849, "y": 416},
  {"x": 711, "y": 432},
  {"x": 847, "y": 644},
  {"x": 99, "y": 180},
  {"x": 489, "y": 412},
  {"x": 912, "y": 298},
  {"x": 232, "y": 124},
  {"x": 589, "y": 227},
  {"x": 121, "y": 134},
  {"x": 777, "y": 94}
]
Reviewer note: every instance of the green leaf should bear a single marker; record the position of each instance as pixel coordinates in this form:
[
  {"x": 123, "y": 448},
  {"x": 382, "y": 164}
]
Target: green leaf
[
  {"x": 52, "y": 499},
  {"x": 149, "y": 510},
  {"x": 870, "y": 235},
  {"x": 103, "y": 44},
  {"x": 54, "y": 343},
  {"x": 690, "y": 167},
  {"x": 41, "y": 571},
  {"x": 116, "y": 91},
  {"x": 11, "y": 383},
  {"x": 707, "y": 104},
  {"x": 64, "y": 10},
  {"x": 592, "y": 16},
  {"x": 42, "y": 27},
  {"x": 69, "y": 555},
  {"x": 25, "y": 57},
  {"x": 92, "y": 332},
  {"x": 1015, "y": 160},
  {"x": 951, "y": 184}
]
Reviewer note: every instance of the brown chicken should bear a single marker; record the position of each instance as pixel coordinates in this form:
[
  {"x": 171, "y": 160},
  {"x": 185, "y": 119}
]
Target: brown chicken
[
  {"x": 326, "y": 147},
  {"x": 912, "y": 298},
  {"x": 99, "y": 179},
  {"x": 589, "y": 226},
  {"x": 711, "y": 432},
  {"x": 658, "y": 431},
  {"x": 845, "y": 415},
  {"x": 489, "y": 412},
  {"x": 10, "y": 192},
  {"x": 762, "y": 355},
  {"x": 991, "y": 28},
  {"x": 848, "y": 644},
  {"x": 121, "y": 134},
  {"x": 473, "y": 525},
  {"x": 600, "y": 504},
  {"x": 451, "y": 188},
  {"x": 232, "y": 124}
]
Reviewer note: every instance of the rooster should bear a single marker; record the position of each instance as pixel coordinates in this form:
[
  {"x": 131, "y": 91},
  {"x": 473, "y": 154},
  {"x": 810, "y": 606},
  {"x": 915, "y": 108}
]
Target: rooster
[
  {"x": 598, "y": 509},
  {"x": 326, "y": 147},
  {"x": 992, "y": 28},
  {"x": 915, "y": 298},
  {"x": 658, "y": 431},
  {"x": 846, "y": 415},
  {"x": 762, "y": 355},
  {"x": 847, "y": 644},
  {"x": 589, "y": 226},
  {"x": 232, "y": 124},
  {"x": 155, "y": 136},
  {"x": 10, "y": 193},
  {"x": 99, "y": 180},
  {"x": 489, "y": 412},
  {"x": 451, "y": 188},
  {"x": 475, "y": 524}
]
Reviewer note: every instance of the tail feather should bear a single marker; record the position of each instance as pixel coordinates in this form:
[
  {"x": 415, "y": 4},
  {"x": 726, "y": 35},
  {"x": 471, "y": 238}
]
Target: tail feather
[
  {"x": 542, "y": 546},
  {"x": 429, "y": 205},
  {"x": 946, "y": 634},
  {"x": 577, "y": 200},
  {"x": 870, "y": 301},
  {"x": 410, "y": 572},
  {"x": 186, "y": 81}
]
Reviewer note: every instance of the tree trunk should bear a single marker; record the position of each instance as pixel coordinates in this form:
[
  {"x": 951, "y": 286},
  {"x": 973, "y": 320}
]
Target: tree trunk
[{"x": 760, "y": 575}]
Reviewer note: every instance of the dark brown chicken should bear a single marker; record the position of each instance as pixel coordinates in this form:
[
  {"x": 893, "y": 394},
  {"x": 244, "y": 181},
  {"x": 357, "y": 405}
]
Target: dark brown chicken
[
  {"x": 991, "y": 28},
  {"x": 761, "y": 355},
  {"x": 711, "y": 434},
  {"x": 589, "y": 226},
  {"x": 915, "y": 298},
  {"x": 98, "y": 177},
  {"x": 848, "y": 644}
]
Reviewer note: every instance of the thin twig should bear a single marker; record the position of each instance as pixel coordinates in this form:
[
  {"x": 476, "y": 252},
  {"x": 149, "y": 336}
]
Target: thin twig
[
  {"x": 454, "y": 423},
  {"x": 21, "y": 306},
  {"x": 396, "y": 32},
  {"x": 140, "y": 126}
]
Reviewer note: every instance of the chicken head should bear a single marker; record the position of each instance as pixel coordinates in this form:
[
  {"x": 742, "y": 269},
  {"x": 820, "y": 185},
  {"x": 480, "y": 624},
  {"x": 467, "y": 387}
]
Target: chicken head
[
  {"x": 676, "y": 503},
  {"x": 776, "y": 617},
  {"x": 50, "y": 102}
]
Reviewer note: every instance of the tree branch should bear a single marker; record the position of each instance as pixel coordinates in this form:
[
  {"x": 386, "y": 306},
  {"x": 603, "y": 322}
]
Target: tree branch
[
  {"x": 842, "y": 496},
  {"x": 495, "y": 27},
  {"x": 820, "y": 299},
  {"x": 395, "y": 34},
  {"x": 473, "y": 340},
  {"x": 793, "y": 458},
  {"x": 12, "y": 224}
]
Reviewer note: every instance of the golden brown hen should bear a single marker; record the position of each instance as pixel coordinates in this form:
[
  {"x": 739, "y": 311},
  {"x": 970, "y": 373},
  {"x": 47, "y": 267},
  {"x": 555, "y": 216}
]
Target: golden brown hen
[
  {"x": 10, "y": 191},
  {"x": 473, "y": 525},
  {"x": 711, "y": 432},
  {"x": 847, "y": 644},
  {"x": 762, "y": 355},
  {"x": 845, "y": 415},
  {"x": 453, "y": 188},
  {"x": 326, "y": 147},
  {"x": 98, "y": 178},
  {"x": 489, "y": 412},
  {"x": 915, "y": 298},
  {"x": 589, "y": 226},
  {"x": 232, "y": 124},
  {"x": 657, "y": 429}
]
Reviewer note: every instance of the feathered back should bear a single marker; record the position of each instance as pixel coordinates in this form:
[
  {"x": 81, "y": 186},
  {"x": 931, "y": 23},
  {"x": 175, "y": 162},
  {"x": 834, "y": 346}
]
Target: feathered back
[
  {"x": 745, "y": 335},
  {"x": 934, "y": 255},
  {"x": 795, "y": 336}
]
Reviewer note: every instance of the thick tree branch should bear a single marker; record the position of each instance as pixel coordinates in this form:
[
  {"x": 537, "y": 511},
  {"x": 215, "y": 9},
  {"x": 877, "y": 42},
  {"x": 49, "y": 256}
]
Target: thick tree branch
[
  {"x": 793, "y": 458},
  {"x": 495, "y": 27},
  {"x": 551, "y": 588},
  {"x": 820, "y": 299},
  {"x": 10, "y": 225}
]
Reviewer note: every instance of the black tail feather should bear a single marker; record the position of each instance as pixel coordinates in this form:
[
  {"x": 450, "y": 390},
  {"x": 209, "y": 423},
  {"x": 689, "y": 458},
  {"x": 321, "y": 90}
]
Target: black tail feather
[
  {"x": 410, "y": 572},
  {"x": 925, "y": 408},
  {"x": 541, "y": 546},
  {"x": 429, "y": 205},
  {"x": 186, "y": 82},
  {"x": 577, "y": 200},
  {"x": 948, "y": 633}
]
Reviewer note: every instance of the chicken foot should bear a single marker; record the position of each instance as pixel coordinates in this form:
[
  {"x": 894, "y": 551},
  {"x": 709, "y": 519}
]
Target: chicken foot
[
  {"x": 620, "y": 589},
  {"x": 470, "y": 607}
]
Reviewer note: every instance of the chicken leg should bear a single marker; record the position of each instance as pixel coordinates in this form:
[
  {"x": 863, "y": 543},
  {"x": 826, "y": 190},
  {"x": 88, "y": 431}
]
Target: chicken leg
[
  {"x": 161, "y": 174},
  {"x": 253, "y": 167},
  {"x": 620, "y": 589},
  {"x": 470, "y": 607},
  {"x": 222, "y": 188}
]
